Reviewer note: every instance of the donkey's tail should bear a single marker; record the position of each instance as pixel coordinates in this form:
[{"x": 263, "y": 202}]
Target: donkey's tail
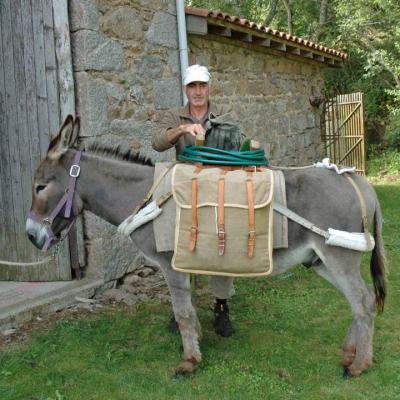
[{"x": 378, "y": 260}]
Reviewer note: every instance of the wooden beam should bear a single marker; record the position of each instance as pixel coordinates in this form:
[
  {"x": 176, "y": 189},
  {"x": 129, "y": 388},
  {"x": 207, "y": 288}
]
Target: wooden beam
[
  {"x": 67, "y": 106},
  {"x": 293, "y": 50},
  {"x": 244, "y": 37},
  {"x": 196, "y": 25},
  {"x": 306, "y": 54},
  {"x": 220, "y": 30},
  {"x": 318, "y": 57},
  {"x": 261, "y": 41},
  {"x": 278, "y": 45},
  {"x": 64, "y": 59}
]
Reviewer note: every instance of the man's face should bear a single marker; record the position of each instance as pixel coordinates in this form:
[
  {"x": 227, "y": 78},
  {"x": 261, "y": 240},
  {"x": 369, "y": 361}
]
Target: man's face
[{"x": 198, "y": 93}]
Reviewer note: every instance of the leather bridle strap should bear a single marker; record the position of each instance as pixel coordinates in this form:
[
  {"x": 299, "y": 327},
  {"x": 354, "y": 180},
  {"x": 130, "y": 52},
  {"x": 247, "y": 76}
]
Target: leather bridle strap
[
  {"x": 66, "y": 200},
  {"x": 74, "y": 172}
]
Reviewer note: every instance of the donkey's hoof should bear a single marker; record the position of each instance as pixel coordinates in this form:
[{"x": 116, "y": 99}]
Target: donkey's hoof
[
  {"x": 185, "y": 369},
  {"x": 357, "y": 368},
  {"x": 347, "y": 360},
  {"x": 351, "y": 372},
  {"x": 348, "y": 356}
]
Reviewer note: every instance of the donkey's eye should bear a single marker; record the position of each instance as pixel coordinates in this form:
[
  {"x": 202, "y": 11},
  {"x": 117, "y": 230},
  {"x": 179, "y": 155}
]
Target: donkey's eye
[{"x": 39, "y": 188}]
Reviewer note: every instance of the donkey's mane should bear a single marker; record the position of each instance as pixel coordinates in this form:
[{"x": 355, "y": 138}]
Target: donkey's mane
[{"x": 119, "y": 154}]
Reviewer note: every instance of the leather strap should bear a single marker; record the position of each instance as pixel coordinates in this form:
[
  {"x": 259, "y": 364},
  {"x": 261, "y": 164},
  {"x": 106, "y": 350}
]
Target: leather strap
[
  {"x": 300, "y": 220},
  {"x": 221, "y": 213},
  {"x": 153, "y": 188},
  {"x": 247, "y": 168},
  {"x": 194, "y": 226},
  {"x": 252, "y": 228},
  {"x": 363, "y": 210}
]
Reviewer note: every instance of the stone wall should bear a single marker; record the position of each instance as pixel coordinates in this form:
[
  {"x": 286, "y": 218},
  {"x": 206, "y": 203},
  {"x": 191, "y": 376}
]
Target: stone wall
[
  {"x": 126, "y": 68},
  {"x": 126, "y": 71},
  {"x": 270, "y": 94}
]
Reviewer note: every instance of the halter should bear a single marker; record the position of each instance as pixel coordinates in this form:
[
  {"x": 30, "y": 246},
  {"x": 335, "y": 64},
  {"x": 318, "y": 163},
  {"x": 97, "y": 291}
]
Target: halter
[{"x": 66, "y": 200}]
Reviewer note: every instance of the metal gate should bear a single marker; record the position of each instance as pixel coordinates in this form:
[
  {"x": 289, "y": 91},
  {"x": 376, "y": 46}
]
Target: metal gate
[
  {"x": 32, "y": 101},
  {"x": 343, "y": 130}
]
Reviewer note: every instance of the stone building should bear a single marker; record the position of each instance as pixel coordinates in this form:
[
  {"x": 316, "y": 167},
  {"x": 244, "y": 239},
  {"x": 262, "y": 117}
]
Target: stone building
[{"x": 126, "y": 71}]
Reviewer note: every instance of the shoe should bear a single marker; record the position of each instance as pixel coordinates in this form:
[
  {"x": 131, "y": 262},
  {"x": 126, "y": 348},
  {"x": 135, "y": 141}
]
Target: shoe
[
  {"x": 222, "y": 323},
  {"x": 173, "y": 326}
]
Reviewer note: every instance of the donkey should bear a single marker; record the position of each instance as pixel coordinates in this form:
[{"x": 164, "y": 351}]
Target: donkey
[{"x": 111, "y": 187}]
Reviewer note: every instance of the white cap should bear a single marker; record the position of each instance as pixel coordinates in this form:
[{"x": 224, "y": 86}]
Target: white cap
[{"x": 196, "y": 73}]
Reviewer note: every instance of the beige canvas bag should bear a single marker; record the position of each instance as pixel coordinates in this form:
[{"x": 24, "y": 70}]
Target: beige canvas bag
[{"x": 217, "y": 231}]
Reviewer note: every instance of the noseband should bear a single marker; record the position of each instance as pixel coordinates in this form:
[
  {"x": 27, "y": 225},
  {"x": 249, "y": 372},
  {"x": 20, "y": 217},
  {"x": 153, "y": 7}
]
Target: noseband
[{"x": 66, "y": 200}]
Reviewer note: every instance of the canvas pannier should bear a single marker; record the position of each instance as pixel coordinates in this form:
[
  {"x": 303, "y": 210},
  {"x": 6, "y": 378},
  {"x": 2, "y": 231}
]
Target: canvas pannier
[{"x": 223, "y": 220}]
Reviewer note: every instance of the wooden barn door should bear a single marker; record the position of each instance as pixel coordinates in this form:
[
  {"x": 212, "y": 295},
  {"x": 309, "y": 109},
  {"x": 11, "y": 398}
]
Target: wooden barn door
[
  {"x": 343, "y": 130},
  {"x": 30, "y": 110}
]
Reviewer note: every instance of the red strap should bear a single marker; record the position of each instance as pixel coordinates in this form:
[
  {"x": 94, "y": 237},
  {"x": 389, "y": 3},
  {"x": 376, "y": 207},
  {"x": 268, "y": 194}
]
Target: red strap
[
  {"x": 194, "y": 227},
  {"x": 252, "y": 228},
  {"x": 221, "y": 214}
]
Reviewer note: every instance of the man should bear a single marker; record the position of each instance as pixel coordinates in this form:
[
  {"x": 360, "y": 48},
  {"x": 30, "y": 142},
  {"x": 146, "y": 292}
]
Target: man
[{"x": 179, "y": 129}]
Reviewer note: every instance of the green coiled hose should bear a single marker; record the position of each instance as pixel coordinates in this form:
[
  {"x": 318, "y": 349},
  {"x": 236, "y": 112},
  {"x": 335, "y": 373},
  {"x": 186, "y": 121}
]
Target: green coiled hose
[{"x": 212, "y": 155}]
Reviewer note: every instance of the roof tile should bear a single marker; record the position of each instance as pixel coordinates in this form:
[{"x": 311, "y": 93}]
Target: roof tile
[{"x": 202, "y": 12}]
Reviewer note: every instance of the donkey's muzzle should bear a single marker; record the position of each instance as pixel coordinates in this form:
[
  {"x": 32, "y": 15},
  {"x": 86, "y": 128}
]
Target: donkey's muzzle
[{"x": 36, "y": 233}]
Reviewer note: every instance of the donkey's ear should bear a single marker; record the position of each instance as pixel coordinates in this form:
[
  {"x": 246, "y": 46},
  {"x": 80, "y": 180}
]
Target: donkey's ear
[
  {"x": 63, "y": 140},
  {"x": 75, "y": 131}
]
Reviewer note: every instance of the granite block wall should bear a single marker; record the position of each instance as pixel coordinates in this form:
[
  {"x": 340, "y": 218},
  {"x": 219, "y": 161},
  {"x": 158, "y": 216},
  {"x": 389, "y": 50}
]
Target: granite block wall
[
  {"x": 270, "y": 95},
  {"x": 126, "y": 71}
]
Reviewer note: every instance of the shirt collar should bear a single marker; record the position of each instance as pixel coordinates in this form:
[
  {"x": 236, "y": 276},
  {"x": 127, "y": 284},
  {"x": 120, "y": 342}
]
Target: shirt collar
[{"x": 185, "y": 113}]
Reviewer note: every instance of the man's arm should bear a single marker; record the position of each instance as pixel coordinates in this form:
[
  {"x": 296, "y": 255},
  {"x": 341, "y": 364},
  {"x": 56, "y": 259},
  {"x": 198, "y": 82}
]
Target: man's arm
[{"x": 170, "y": 132}]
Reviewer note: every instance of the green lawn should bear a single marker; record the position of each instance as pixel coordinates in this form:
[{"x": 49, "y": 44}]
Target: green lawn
[{"x": 289, "y": 332}]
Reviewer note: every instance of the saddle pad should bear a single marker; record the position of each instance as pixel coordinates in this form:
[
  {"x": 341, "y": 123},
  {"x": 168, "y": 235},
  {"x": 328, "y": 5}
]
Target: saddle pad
[
  {"x": 164, "y": 225},
  {"x": 202, "y": 255}
]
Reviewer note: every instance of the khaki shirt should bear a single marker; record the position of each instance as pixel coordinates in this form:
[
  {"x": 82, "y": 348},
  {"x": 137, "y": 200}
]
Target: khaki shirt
[{"x": 172, "y": 119}]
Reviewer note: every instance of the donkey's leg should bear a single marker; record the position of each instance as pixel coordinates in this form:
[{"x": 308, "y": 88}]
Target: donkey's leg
[
  {"x": 185, "y": 315},
  {"x": 342, "y": 269},
  {"x": 349, "y": 345}
]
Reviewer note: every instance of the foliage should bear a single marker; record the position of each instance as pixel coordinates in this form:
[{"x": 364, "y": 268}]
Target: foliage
[{"x": 286, "y": 345}]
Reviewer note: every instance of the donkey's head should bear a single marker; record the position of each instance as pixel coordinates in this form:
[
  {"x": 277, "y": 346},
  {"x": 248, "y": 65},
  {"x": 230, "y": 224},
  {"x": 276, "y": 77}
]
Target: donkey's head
[{"x": 54, "y": 205}]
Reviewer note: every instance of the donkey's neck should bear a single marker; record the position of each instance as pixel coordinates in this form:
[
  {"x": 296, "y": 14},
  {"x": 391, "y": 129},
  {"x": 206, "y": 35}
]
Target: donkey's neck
[{"x": 111, "y": 188}]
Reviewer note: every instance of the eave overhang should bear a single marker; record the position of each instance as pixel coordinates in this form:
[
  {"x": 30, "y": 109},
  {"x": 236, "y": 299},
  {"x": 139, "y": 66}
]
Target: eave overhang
[{"x": 215, "y": 24}]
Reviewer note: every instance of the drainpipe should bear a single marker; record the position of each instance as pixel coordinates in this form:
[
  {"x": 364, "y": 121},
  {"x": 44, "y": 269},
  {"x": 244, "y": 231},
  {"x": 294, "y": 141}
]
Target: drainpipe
[{"x": 182, "y": 37}]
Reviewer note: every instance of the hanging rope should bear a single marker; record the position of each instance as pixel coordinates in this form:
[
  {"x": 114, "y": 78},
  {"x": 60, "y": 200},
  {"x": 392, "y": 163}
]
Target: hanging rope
[{"x": 26, "y": 264}]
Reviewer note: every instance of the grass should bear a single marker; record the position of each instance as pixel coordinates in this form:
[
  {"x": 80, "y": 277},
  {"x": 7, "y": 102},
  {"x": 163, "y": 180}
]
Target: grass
[
  {"x": 289, "y": 331},
  {"x": 384, "y": 164}
]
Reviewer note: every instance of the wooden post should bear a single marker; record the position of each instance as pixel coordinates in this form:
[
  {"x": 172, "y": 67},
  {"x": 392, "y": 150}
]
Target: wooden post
[
  {"x": 64, "y": 59},
  {"x": 363, "y": 145},
  {"x": 67, "y": 106}
]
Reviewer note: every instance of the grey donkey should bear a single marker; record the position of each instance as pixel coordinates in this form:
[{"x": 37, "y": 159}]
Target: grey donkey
[{"x": 110, "y": 187}]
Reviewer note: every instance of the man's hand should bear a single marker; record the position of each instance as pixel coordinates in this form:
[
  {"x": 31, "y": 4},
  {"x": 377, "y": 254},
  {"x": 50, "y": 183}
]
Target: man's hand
[
  {"x": 193, "y": 129},
  {"x": 186, "y": 129}
]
